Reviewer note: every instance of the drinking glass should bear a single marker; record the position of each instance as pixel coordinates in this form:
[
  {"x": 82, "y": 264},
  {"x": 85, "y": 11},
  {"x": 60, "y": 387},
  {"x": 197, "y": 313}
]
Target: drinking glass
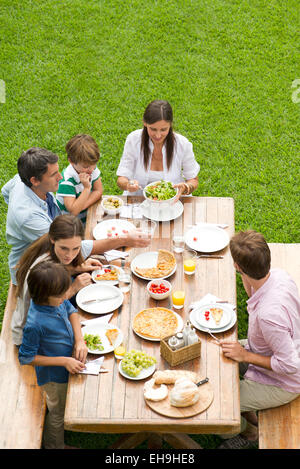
[
  {"x": 189, "y": 262},
  {"x": 178, "y": 297},
  {"x": 148, "y": 227},
  {"x": 125, "y": 279},
  {"x": 178, "y": 241}
]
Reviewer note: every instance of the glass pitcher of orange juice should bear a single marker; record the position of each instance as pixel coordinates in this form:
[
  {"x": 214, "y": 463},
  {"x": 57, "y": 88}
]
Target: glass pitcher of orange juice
[{"x": 178, "y": 297}]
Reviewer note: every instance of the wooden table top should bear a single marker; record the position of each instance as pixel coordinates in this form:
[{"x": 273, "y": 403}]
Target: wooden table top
[{"x": 110, "y": 403}]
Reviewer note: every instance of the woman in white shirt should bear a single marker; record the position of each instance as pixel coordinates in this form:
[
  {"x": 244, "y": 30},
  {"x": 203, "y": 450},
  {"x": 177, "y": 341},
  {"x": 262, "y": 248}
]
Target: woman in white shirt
[{"x": 155, "y": 153}]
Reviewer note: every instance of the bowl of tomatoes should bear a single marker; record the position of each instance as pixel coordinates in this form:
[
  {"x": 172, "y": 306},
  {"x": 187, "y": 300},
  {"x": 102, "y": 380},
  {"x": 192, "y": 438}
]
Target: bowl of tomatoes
[{"x": 159, "y": 289}]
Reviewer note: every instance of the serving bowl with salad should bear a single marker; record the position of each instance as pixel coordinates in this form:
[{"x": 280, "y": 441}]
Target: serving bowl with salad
[{"x": 160, "y": 191}]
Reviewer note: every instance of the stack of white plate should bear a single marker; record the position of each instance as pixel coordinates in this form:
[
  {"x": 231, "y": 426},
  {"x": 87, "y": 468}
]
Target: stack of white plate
[{"x": 199, "y": 321}]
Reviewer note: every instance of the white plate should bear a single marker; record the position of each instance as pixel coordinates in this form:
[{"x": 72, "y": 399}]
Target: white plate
[
  {"x": 100, "y": 329},
  {"x": 211, "y": 323},
  {"x": 206, "y": 238},
  {"x": 145, "y": 373},
  {"x": 165, "y": 212},
  {"x": 179, "y": 329},
  {"x": 147, "y": 260},
  {"x": 99, "y": 290},
  {"x": 193, "y": 319},
  {"x": 116, "y": 226},
  {"x": 106, "y": 282}
]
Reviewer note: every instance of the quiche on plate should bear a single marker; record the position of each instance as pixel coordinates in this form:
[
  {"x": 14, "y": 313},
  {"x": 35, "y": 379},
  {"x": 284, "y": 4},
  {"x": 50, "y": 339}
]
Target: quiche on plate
[
  {"x": 165, "y": 264},
  {"x": 155, "y": 323}
]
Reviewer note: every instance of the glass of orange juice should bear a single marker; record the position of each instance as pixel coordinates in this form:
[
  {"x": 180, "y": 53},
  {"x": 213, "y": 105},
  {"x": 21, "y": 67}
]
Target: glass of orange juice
[
  {"x": 178, "y": 297},
  {"x": 189, "y": 262}
]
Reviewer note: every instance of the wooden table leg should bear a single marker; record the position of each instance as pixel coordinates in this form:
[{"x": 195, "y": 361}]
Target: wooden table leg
[
  {"x": 155, "y": 441},
  {"x": 130, "y": 440},
  {"x": 180, "y": 441}
]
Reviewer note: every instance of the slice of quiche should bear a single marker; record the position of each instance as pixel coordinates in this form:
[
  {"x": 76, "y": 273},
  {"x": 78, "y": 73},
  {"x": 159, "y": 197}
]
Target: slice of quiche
[
  {"x": 112, "y": 335},
  {"x": 217, "y": 314}
]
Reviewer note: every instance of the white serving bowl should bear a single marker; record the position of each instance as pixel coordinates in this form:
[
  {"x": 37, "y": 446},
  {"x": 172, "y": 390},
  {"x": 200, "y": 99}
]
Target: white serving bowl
[
  {"x": 159, "y": 296},
  {"x": 112, "y": 211},
  {"x": 167, "y": 201}
]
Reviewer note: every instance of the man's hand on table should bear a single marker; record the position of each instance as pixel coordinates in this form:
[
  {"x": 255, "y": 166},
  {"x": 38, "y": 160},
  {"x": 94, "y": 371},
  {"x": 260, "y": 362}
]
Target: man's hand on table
[
  {"x": 238, "y": 353},
  {"x": 233, "y": 350}
]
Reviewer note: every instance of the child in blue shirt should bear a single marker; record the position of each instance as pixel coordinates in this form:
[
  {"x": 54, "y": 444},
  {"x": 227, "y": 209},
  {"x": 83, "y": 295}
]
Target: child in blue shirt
[{"x": 52, "y": 342}]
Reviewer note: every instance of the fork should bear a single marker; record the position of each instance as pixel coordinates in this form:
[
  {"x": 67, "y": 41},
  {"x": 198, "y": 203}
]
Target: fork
[{"x": 210, "y": 333}]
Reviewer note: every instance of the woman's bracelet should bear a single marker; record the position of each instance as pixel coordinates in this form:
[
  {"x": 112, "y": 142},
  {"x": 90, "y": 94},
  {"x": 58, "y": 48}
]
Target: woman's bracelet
[
  {"x": 191, "y": 188},
  {"x": 186, "y": 192},
  {"x": 188, "y": 188}
]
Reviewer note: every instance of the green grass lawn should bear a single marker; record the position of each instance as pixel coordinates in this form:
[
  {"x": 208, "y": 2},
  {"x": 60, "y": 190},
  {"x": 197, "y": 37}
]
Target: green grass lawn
[{"x": 226, "y": 67}]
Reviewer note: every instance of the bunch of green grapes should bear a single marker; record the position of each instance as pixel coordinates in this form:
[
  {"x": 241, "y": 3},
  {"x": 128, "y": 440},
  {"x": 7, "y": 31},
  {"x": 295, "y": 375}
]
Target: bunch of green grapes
[{"x": 135, "y": 360}]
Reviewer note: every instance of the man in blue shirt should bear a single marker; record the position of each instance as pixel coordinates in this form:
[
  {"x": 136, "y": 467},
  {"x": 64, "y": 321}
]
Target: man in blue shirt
[{"x": 31, "y": 205}]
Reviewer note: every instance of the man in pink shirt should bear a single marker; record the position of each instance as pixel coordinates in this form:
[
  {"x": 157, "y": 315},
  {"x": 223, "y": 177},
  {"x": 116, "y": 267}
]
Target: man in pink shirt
[{"x": 270, "y": 358}]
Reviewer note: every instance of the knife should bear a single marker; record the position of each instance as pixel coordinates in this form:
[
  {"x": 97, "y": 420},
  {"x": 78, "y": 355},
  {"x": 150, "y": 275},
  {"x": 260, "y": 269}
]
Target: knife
[
  {"x": 208, "y": 256},
  {"x": 202, "y": 382},
  {"x": 99, "y": 300}
]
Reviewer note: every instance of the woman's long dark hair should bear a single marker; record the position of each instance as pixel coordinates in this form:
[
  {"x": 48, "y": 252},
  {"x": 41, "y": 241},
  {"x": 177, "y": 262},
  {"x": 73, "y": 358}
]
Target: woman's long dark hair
[
  {"x": 158, "y": 110},
  {"x": 63, "y": 227}
]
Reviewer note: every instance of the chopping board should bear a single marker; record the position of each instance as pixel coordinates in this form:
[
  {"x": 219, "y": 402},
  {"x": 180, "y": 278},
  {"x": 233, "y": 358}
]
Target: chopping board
[{"x": 165, "y": 408}]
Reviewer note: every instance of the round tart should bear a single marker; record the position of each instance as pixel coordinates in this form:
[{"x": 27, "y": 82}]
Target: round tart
[{"x": 155, "y": 323}]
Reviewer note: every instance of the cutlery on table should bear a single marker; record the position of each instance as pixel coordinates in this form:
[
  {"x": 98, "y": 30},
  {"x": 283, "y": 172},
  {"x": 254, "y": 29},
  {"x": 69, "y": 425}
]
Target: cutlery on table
[
  {"x": 205, "y": 329},
  {"x": 99, "y": 300},
  {"x": 209, "y": 256},
  {"x": 202, "y": 382}
]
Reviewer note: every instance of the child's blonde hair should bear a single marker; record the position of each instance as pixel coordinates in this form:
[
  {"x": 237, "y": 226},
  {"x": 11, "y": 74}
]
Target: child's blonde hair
[{"x": 83, "y": 148}]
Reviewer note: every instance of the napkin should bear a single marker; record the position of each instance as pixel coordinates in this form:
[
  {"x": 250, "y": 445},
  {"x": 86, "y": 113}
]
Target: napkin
[
  {"x": 93, "y": 367},
  {"x": 102, "y": 320},
  {"x": 209, "y": 298},
  {"x": 114, "y": 254}
]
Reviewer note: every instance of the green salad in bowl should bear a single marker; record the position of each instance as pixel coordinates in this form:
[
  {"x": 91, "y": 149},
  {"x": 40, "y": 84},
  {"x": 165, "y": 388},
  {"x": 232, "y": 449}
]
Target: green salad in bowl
[{"x": 160, "y": 191}]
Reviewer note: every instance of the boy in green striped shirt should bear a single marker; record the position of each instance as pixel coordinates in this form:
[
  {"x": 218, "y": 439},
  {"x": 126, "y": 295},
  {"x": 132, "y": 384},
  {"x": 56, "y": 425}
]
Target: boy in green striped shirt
[{"x": 81, "y": 185}]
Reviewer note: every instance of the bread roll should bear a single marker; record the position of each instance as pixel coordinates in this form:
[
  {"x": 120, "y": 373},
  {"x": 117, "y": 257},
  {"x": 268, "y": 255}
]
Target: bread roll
[
  {"x": 170, "y": 376},
  {"x": 155, "y": 394},
  {"x": 184, "y": 394}
]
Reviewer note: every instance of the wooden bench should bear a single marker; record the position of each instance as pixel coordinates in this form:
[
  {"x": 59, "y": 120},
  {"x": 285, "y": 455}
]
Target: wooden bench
[
  {"x": 22, "y": 403},
  {"x": 279, "y": 428}
]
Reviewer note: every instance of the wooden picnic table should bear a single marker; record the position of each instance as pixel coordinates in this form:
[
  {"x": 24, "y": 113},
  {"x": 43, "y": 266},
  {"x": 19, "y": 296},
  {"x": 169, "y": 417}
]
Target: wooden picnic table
[{"x": 110, "y": 403}]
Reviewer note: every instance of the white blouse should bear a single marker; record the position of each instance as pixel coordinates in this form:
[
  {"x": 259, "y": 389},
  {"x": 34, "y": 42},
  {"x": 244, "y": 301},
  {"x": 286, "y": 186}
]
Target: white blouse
[{"x": 184, "y": 165}]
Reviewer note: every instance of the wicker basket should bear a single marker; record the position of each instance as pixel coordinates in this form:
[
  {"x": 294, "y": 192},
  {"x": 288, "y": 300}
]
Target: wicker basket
[{"x": 182, "y": 355}]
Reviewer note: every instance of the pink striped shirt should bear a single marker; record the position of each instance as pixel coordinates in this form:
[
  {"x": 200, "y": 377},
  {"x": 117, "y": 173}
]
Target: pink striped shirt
[{"x": 274, "y": 330}]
